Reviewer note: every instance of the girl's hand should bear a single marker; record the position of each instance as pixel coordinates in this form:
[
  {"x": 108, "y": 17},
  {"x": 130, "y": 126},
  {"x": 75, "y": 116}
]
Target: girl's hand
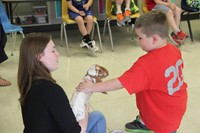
[
  {"x": 84, "y": 122},
  {"x": 85, "y": 85}
]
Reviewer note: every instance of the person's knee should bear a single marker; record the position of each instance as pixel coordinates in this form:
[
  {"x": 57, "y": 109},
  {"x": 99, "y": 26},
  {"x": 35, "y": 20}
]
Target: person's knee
[
  {"x": 178, "y": 10},
  {"x": 89, "y": 19},
  {"x": 79, "y": 19},
  {"x": 170, "y": 13},
  {"x": 98, "y": 113}
]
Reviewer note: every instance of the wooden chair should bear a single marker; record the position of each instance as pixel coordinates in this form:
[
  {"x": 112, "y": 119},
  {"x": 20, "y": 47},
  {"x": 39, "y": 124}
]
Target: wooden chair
[{"x": 67, "y": 21}]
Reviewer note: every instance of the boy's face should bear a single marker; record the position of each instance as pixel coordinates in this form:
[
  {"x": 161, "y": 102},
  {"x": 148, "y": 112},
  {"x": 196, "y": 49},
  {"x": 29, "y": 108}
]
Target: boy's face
[{"x": 146, "y": 43}]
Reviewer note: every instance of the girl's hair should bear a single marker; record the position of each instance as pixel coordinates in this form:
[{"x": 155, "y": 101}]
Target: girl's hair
[
  {"x": 30, "y": 67},
  {"x": 153, "y": 22}
]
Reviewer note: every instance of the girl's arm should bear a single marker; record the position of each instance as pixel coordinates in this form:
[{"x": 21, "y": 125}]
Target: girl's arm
[{"x": 84, "y": 122}]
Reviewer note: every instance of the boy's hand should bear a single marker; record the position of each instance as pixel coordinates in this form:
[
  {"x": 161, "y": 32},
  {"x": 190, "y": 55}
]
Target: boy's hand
[
  {"x": 85, "y": 85},
  {"x": 86, "y": 7},
  {"x": 82, "y": 13}
]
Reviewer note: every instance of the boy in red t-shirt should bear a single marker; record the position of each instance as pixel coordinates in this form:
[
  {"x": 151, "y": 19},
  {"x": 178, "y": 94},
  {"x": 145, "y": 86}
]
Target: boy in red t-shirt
[
  {"x": 173, "y": 14},
  {"x": 156, "y": 78}
]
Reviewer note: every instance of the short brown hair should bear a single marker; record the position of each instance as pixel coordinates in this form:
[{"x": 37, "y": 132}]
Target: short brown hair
[{"x": 153, "y": 22}]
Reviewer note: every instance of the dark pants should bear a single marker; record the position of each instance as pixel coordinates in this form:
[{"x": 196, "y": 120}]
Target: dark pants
[{"x": 3, "y": 40}]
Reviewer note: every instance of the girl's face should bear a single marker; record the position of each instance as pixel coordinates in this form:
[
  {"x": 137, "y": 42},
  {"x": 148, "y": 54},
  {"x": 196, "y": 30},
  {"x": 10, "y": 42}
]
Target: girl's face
[
  {"x": 146, "y": 43},
  {"x": 49, "y": 57}
]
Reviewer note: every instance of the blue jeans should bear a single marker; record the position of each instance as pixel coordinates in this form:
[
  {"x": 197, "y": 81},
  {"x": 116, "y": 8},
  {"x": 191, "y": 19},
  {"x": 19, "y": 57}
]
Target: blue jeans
[{"x": 96, "y": 123}]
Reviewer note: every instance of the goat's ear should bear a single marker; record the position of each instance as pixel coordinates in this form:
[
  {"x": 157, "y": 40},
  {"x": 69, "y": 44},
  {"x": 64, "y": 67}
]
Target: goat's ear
[{"x": 103, "y": 70}]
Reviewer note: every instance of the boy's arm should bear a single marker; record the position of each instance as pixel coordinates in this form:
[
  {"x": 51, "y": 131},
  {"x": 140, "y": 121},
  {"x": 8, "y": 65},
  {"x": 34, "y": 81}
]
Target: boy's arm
[
  {"x": 105, "y": 86},
  {"x": 87, "y": 5},
  {"x": 71, "y": 7}
]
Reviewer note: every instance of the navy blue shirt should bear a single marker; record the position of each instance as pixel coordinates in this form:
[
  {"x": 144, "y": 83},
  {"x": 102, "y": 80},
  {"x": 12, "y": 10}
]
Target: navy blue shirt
[{"x": 79, "y": 4}]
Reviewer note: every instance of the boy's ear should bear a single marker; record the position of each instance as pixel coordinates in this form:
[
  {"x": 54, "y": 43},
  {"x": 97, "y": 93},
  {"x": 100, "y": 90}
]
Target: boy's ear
[{"x": 155, "y": 38}]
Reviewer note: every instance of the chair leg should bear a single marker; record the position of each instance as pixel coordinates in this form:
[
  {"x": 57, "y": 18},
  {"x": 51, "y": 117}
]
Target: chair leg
[
  {"x": 93, "y": 27},
  {"x": 13, "y": 37},
  {"x": 22, "y": 34},
  {"x": 110, "y": 33},
  {"x": 61, "y": 34},
  {"x": 99, "y": 35},
  {"x": 66, "y": 40},
  {"x": 132, "y": 28},
  {"x": 13, "y": 41},
  {"x": 104, "y": 28},
  {"x": 189, "y": 26}
]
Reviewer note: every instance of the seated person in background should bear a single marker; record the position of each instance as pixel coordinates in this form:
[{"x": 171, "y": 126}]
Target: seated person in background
[
  {"x": 193, "y": 3},
  {"x": 4, "y": 82},
  {"x": 3, "y": 56},
  {"x": 79, "y": 10},
  {"x": 128, "y": 7},
  {"x": 173, "y": 14}
]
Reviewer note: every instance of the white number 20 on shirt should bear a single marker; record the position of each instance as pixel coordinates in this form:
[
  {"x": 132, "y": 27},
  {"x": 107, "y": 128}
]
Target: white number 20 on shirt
[{"x": 177, "y": 76}]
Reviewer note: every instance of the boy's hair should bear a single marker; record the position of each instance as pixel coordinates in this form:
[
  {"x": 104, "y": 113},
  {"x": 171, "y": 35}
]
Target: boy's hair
[{"x": 153, "y": 22}]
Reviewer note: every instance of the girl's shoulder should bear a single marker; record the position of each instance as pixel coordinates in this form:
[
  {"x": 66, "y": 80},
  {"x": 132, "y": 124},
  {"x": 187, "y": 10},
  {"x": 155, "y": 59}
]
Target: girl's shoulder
[{"x": 46, "y": 85}]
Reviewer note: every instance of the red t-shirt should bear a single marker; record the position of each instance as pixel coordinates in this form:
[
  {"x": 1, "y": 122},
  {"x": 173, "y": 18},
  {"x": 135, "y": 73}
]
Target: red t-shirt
[
  {"x": 150, "y": 4},
  {"x": 161, "y": 94}
]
